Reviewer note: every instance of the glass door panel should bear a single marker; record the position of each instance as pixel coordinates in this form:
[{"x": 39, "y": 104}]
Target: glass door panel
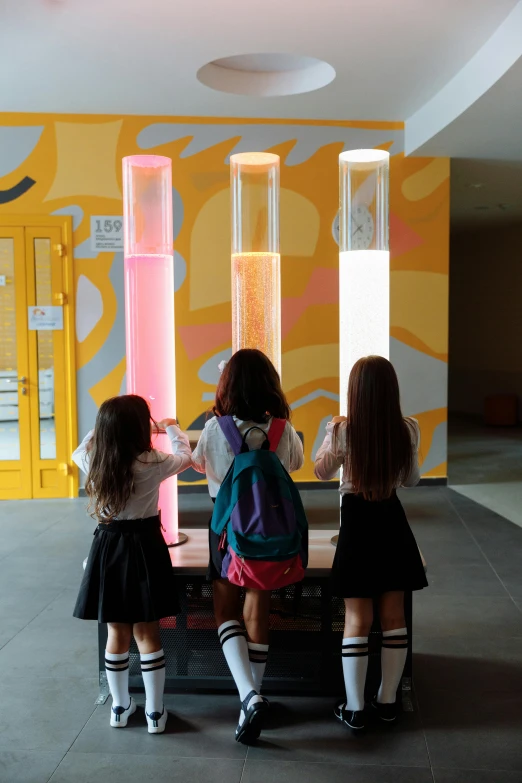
[
  {"x": 45, "y": 350},
  {"x": 15, "y": 446},
  {"x": 9, "y": 431}
]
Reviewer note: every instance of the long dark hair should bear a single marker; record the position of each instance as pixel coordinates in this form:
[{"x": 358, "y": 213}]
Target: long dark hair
[
  {"x": 379, "y": 447},
  {"x": 122, "y": 432},
  {"x": 250, "y": 388}
]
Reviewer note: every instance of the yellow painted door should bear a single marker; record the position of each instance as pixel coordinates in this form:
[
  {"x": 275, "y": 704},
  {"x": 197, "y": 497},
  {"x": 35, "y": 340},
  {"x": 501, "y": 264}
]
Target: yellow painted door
[
  {"x": 38, "y": 431},
  {"x": 15, "y": 430}
]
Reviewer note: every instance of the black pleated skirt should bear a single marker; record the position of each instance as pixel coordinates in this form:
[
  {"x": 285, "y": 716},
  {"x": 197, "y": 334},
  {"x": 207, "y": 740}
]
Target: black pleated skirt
[
  {"x": 128, "y": 577},
  {"x": 376, "y": 552}
]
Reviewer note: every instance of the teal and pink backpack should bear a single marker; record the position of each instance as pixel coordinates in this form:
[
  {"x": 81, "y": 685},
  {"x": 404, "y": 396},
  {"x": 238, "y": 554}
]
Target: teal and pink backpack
[{"x": 259, "y": 515}]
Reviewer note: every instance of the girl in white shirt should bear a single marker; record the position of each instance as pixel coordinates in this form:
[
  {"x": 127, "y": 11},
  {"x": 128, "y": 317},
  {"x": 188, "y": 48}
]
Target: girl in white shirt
[
  {"x": 249, "y": 390},
  {"x": 128, "y": 581},
  {"x": 377, "y": 558}
]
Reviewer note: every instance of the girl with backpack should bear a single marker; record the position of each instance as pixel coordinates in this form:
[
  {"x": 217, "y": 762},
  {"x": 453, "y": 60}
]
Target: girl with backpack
[
  {"x": 246, "y": 450},
  {"x": 128, "y": 581},
  {"x": 377, "y": 558}
]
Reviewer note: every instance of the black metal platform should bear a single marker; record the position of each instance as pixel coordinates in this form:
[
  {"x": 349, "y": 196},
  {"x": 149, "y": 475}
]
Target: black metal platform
[{"x": 306, "y": 629}]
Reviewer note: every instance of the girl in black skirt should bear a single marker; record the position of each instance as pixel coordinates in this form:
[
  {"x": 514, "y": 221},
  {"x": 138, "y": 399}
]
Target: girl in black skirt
[
  {"x": 128, "y": 581},
  {"x": 376, "y": 556},
  {"x": 249, "y": 390}
]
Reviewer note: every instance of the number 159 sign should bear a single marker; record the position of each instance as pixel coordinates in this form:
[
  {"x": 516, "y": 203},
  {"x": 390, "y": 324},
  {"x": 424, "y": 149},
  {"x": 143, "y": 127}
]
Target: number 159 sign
[{"x": 106, "y": 233}]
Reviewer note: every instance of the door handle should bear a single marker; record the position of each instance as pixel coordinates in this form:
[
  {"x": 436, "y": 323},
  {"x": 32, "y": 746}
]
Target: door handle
[{"x": 23, "y": 379}]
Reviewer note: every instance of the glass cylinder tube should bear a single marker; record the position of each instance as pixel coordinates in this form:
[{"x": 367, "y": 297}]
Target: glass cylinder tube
[
  {"x": 149, "y": 301},
  {"x": 256, "y": 267},
  {"x": 364, "y": 260}
]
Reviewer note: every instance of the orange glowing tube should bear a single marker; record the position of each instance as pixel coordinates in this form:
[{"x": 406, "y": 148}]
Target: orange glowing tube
[{"x": 256, "y": 268}]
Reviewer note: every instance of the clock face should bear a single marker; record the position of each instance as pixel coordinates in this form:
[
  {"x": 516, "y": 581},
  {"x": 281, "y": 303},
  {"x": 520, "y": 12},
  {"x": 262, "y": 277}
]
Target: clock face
[
  {"x": 361, "y": 228},
  {"x": 335, "y": 229}
]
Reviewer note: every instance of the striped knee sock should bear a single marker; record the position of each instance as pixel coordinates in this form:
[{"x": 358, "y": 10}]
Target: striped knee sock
[
  {"x": 153, "y": 673},
  {"x": 117, "y": 669},
  {"x": 393, "y": 657},
  {"x": 355, "y": 667},
  {"x": 258, "y": 654},
  {"x": 235, "y": 649}
]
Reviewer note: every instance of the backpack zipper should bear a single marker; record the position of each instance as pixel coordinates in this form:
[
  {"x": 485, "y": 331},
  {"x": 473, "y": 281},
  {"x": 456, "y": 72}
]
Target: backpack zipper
[{"x": 223, "y": 541}]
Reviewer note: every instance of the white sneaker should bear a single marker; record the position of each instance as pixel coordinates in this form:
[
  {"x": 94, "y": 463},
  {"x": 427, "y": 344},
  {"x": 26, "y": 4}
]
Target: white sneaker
[
  {"x": 156, "y": 721},
  {"x": 120, "y": 715}
]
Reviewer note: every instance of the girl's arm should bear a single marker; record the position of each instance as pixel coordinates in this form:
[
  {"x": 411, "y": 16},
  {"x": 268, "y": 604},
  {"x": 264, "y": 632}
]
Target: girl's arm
[
  {"x": 415, "y": 475},
  {"x": 296, "y": 456},
  {"x": 81, "y": 456},
  {"x": 181, "y": 455},
  {"x": 330, "y": 455},
  {"x": 198, "y": 455}
]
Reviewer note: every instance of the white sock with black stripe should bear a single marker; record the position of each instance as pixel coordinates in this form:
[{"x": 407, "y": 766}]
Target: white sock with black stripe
[
  {"x": 117, "y": 669},
  {"x": 235, "y": 649},
  {"x": 153, "y": 673},
  {"x": 393, "y": 657},
  {"x": 355, "y": 668},
  {"x": 258, "y": 654}
]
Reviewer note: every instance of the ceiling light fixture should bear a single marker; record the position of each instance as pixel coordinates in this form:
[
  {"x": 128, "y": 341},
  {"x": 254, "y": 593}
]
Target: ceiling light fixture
[{"x": 266, "y": 74}]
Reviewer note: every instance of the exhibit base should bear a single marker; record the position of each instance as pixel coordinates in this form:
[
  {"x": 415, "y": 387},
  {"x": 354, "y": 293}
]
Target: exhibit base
[
  {"x": 306, "y": 630},
  {"x": 181, "y": 538}
]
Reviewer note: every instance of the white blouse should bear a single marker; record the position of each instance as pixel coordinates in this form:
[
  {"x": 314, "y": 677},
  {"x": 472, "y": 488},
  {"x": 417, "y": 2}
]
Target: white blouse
[
  {"x": 332, "y": 455},
  {"x": 150, "y": 469},
  {"x": 214, "y": 456}
]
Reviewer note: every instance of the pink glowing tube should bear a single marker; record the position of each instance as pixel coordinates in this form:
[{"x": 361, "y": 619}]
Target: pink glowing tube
[
  {"x": 149, "y": 301},
  {"x": 256, "y": 275}
]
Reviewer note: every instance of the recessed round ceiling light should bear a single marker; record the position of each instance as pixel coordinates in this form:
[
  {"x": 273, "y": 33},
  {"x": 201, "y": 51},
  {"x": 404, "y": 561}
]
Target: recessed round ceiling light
[{"x": 266, "y": 74}]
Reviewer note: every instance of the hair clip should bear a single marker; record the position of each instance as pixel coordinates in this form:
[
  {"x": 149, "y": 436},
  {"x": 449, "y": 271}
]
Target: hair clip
[{"x": 222, "y": 365}]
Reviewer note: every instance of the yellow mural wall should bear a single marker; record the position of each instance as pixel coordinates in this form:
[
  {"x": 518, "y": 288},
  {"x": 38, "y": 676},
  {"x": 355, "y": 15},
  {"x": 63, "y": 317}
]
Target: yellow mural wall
[{"x": 52, "y": 164}]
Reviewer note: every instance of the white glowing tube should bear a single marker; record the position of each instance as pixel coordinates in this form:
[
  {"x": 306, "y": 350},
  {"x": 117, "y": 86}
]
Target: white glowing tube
[{"x": 364, "y": 260}]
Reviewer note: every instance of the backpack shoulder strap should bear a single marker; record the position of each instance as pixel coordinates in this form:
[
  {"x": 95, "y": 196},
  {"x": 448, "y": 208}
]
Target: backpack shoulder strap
[
  {"x": 231, "y": 433},
  {"x": 275, "y": 433}
]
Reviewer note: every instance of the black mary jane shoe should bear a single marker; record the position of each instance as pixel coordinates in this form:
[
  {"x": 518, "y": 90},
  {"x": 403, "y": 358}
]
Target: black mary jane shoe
[
  {"x": 352, "y": 719},
  {"x": 385, "y": 712},
  {"x": 249, "y": 730}
]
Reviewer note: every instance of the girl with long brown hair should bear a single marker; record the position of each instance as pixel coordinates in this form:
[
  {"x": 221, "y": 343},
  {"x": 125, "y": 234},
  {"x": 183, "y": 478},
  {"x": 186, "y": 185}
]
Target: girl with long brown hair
[
  {"x": 250, "y": 391},
  {"x": 128, "y": 581},
  {"x": 377, "y": 558}
]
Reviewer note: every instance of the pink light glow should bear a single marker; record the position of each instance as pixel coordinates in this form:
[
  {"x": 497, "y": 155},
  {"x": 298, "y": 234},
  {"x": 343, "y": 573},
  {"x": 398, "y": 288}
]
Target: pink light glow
[{"x": 149, "y": 301}]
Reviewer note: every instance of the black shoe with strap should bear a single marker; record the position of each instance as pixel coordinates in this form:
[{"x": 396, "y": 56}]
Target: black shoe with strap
[
  {"x": 386, "y": 712},
  {"x": 352, "y": 719},
  {"x": 249, "y": 730}
]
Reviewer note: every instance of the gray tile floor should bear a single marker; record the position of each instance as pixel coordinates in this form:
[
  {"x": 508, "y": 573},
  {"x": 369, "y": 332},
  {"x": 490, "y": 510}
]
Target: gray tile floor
[
  {"x": 484, "y": 464},
  {"x": 467, "y": 726}
]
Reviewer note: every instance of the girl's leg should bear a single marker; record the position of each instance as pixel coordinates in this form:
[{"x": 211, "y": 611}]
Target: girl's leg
[
  {"x": 227, "y": 610},
  {"x": 357, "y": 623},
  {"x": 394, "y": 645},
  {"x": 256, "y": 614},
  {"x": 117, "y": 669},
  {"x": 235, "y": 649},
  {"x": 153, "y": 672}
]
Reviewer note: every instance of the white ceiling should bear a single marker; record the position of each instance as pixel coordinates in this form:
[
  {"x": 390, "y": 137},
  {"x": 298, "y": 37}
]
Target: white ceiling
[
  {"x": 451, "y": 69},
  {"x": 142, "y": 56}
]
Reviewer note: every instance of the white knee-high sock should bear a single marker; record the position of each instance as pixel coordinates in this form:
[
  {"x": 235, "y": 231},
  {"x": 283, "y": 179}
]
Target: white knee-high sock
[
  {"x": 393, "y": 657},
  {"x": 355, "y": 667},
  {"x": 258, "y": 654},
  {"x": 117, "y": 669},
  {"x": 153, "y": 673},
  {"x": 235, "y": 649}
]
